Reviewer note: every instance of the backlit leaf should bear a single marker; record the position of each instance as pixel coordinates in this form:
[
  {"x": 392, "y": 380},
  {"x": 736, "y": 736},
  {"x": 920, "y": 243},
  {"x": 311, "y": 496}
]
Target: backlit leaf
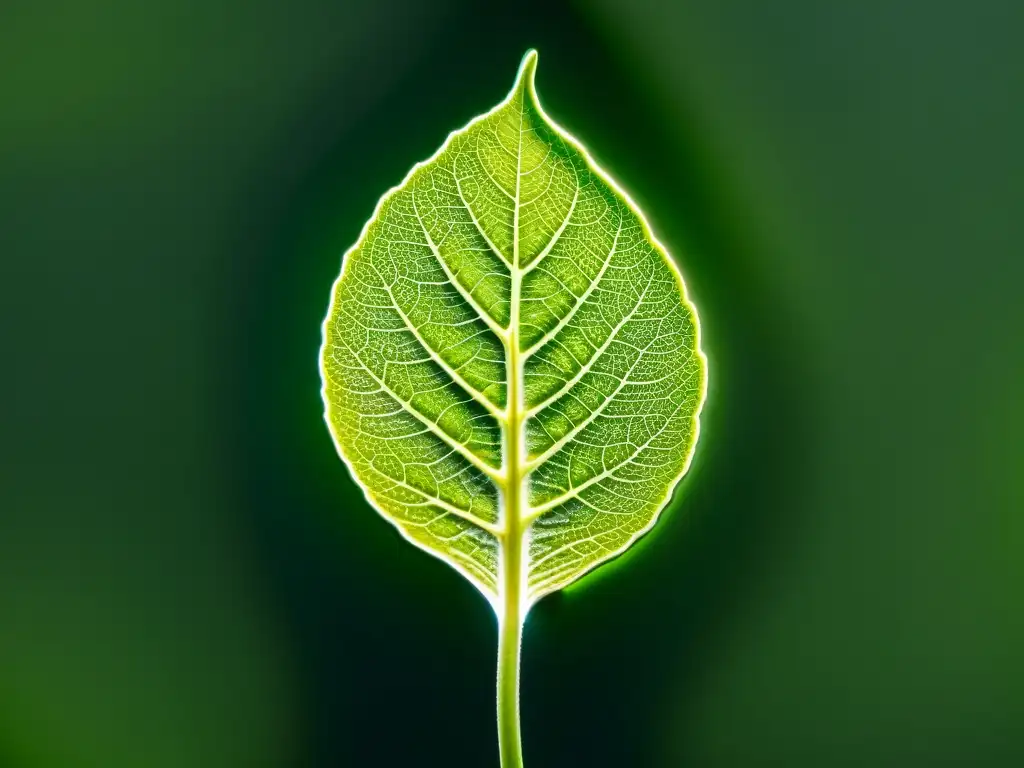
[{"x": 511, "y": 366}]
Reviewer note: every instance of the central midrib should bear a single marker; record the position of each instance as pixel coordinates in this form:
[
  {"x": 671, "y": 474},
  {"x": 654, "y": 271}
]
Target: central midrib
[
  {"x": 515, "y": 465},
  {"x": 515, "y": 438}
]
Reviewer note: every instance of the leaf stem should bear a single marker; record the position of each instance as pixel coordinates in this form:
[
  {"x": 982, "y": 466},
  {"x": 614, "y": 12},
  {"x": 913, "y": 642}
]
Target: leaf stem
[
  {"x": 513, "y": 611},
  {"x": 509, "y": 645}
]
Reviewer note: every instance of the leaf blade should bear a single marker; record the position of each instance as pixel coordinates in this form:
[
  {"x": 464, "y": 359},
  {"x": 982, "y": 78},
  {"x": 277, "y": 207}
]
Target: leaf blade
[{"x": 613, "y": 376}]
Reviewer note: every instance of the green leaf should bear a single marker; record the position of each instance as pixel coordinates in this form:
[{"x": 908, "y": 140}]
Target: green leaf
[{"x": 511, "y": 367}]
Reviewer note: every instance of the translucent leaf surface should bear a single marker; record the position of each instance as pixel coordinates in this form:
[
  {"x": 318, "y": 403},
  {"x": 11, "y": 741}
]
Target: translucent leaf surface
[{"x": 511, "y": 366}]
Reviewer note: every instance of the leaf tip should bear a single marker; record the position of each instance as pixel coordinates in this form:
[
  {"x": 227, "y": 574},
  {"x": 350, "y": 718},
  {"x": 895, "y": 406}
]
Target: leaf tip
[{"x": 527, "y": 70}]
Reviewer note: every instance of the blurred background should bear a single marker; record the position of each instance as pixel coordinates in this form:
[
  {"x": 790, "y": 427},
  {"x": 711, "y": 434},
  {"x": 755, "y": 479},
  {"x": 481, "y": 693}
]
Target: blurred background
[{"x": 188, "y": 577}]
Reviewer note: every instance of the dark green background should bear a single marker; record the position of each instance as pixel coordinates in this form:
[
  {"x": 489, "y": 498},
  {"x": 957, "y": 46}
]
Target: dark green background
[{"x": 188, "y": 577}]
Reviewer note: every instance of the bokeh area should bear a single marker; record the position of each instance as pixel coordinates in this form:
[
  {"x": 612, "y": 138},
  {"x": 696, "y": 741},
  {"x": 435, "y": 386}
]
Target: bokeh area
[{"x": 189, "y": 578}]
